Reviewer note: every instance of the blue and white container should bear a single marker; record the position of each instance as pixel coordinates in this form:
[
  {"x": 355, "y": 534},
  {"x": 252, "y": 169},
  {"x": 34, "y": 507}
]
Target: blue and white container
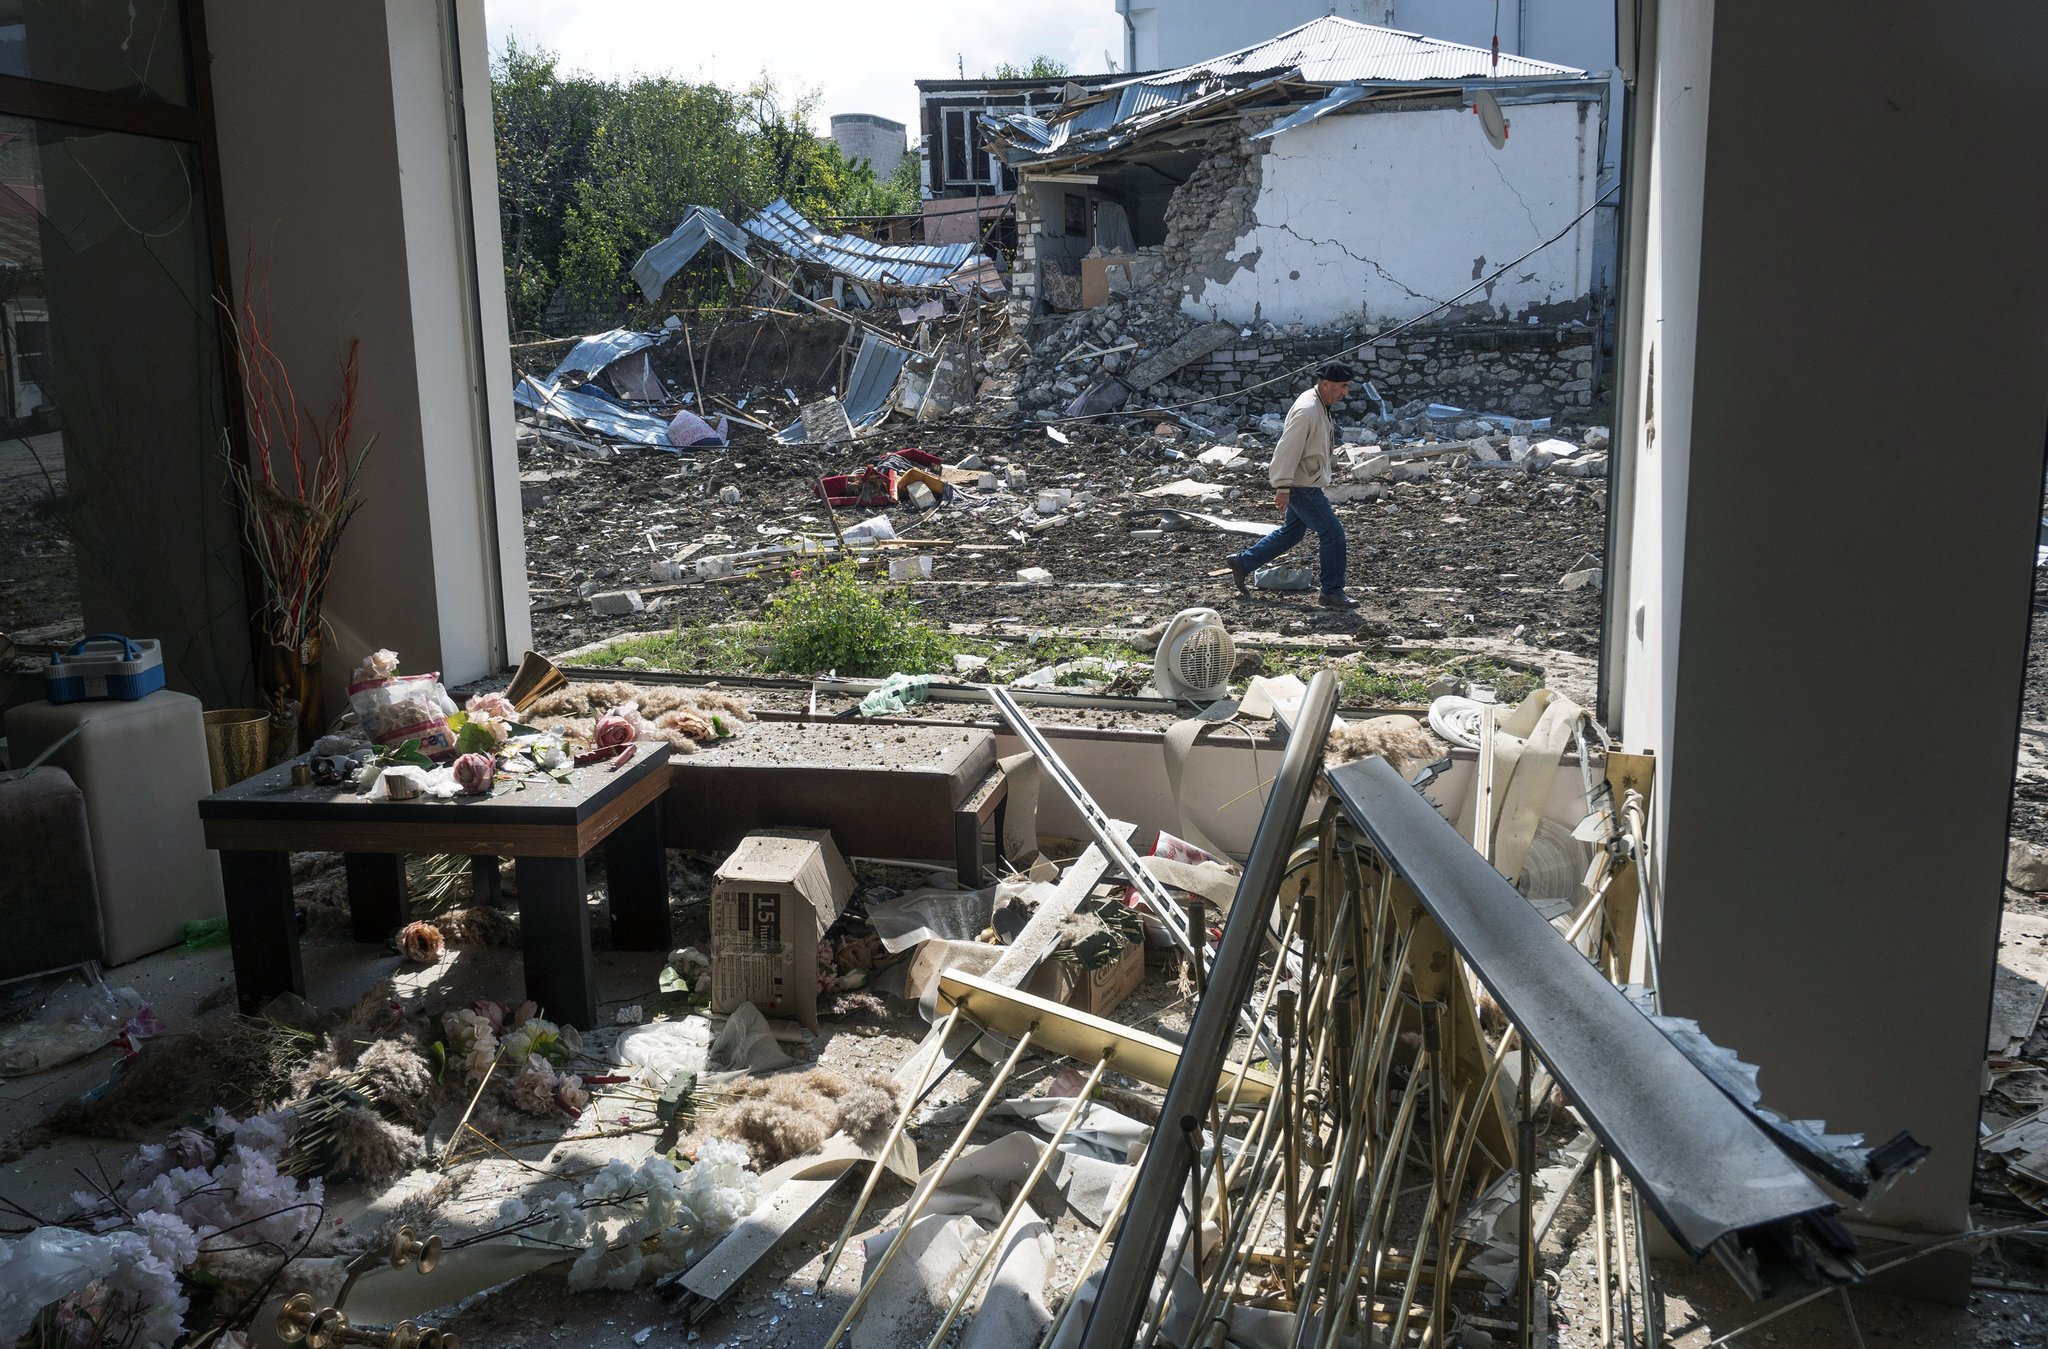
[{"x": 103, "y": 666}]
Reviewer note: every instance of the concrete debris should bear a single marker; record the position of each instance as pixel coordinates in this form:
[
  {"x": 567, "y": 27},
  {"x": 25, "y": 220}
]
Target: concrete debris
[
  {"x": 1036, "y": 576},
  {"x": 2026, "y": 866},
  {"x": 1589, "y": 576},
  {"x": 614, "y": 603},
  {"x": 729, "y": 495}
]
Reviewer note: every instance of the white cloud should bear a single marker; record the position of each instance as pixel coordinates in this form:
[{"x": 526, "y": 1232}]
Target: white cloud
[{"x": 861, "y": 58}]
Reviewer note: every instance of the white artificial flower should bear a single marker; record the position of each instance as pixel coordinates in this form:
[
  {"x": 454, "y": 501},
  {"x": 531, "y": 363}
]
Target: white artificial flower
[{"x": 170, "y": 1239}]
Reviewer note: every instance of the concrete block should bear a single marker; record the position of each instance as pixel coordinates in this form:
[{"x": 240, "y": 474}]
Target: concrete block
[
  {"x": 613, "y": 603},
  {"x": 1037, "y": 576},
  {"x": 1579, "y": 580}
]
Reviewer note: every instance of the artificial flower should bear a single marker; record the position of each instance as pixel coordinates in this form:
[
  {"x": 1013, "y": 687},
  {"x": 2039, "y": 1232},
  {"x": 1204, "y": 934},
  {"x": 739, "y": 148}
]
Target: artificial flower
[
  {"x": 474, "y": 773},
  {"x": 420, "y": 943}
]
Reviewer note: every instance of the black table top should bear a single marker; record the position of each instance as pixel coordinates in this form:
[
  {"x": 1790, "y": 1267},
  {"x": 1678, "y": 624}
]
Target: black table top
[{"x": 270, "y": 795}]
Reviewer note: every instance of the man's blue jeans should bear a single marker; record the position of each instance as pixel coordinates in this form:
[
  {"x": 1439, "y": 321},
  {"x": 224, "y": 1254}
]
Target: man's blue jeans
[{"x": 1307, "y": 508}]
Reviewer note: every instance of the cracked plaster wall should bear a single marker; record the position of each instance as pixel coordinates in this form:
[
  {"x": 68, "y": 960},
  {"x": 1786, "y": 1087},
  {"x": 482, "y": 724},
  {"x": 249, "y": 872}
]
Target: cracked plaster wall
[{"x": 1377, "y": 218}]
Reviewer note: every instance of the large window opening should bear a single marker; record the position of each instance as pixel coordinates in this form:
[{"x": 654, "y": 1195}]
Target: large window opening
[{"x": 113, "y": 486}]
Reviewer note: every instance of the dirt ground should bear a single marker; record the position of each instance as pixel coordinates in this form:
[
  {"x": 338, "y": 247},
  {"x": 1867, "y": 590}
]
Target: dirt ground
[{"x": 1468, "y": 552}]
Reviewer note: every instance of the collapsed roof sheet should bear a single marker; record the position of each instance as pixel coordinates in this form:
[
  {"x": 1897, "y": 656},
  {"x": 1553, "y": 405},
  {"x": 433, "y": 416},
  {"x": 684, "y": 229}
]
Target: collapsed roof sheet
[
  {"x": 868, "y": 387},
  {"x": 700, "y": 226},
  {"x": 1328, "y": 51},
  {"x": 913, "y": 266},
  {"x": 590, "y": 356},
  {"x": 1331, "y": 50},
  {"x": 593, "y": 413}
]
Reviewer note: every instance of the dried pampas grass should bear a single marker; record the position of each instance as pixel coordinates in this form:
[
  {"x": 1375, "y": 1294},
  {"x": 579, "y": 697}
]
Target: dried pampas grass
[
  {"x": 791, "y": 1114},
  {"x": 478, "y": 925},
  {"x": 367, "y": 1147},
  {"x": 1403, "y": 742},
  {"x": 681, "y": 716}
]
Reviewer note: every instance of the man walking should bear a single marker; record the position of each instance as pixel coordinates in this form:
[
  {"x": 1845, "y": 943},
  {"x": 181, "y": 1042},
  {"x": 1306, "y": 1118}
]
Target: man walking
[{"x": 1300, "y": 472}]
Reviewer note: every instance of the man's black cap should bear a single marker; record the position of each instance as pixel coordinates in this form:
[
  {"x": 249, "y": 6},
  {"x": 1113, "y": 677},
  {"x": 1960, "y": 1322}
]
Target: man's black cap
[{"x": 1336, "y": 372}]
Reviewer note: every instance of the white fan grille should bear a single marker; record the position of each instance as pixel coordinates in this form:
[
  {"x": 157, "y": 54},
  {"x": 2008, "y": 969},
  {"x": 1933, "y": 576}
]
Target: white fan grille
[{"x": 1203, "y": 658}]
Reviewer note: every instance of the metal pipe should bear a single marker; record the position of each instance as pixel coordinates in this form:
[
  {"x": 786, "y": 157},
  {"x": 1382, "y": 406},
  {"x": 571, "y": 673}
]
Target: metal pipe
[
  {"x": 1017, "y": 1205},
  {"x": 1120, "y": 1305},
  {"x": 925, "y": 1191},
  {"x": 1109, "y": 1222}
]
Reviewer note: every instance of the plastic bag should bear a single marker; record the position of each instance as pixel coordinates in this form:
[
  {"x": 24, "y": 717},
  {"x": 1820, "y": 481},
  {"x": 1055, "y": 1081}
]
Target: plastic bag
[
  {"x": 75, "y": 1019},
  {"x": 42, "y": 1267},
  {"x": 399, "y": 708}
]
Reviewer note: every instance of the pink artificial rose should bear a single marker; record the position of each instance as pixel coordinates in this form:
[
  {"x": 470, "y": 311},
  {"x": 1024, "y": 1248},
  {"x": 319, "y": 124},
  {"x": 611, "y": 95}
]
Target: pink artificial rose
[
  {"x": 570, "y": 1095},
  {"x": 494, "y": 705},
  {"x": 613, "y": 731},
  {"x": 493, "y": 1012},
  {"x": 190, "y": 1149},
  {"x": 474, "y": 773}
]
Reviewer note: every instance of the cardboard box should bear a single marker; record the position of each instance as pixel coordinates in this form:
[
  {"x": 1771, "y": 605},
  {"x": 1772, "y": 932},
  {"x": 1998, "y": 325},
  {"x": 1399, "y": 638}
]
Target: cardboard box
[
  {"x": 1098, "y": 991},
  {"x": 771, "y": 903},
  {"x": 1095, "y": 278}
]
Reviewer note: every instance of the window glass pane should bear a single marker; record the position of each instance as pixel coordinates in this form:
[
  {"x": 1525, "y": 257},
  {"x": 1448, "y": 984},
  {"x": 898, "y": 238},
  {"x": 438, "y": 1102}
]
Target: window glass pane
[
  {"x": 110, "y": 46},
  {"x": 114, "y": 508}
]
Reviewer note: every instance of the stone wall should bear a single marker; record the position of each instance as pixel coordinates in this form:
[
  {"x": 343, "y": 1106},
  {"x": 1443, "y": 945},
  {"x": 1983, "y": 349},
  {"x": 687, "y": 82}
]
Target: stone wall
[{"x": 1519, "y": 371}]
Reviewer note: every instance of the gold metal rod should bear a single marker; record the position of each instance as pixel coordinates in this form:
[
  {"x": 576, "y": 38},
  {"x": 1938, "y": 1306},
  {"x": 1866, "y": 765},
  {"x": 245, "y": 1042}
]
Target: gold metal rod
[
  {"x": 925, "y": 1081},
  {"x": 1018, "y": 1205},
  {"x": 1376, "y": 1207},
  {"x": 1110, "y": 1219},
  {"x": 924, "y": 1192},
  {"x": 1600, "y": 1249}
]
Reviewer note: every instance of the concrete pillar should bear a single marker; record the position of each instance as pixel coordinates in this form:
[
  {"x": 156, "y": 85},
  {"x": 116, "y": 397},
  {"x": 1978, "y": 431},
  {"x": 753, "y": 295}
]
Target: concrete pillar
[
  {"x": 358, "y": 177},
  {"x": 1835, "y": 404}
]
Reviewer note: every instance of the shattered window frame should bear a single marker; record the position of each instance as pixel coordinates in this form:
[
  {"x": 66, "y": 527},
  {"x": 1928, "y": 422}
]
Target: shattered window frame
[{"x": 962, "y": 140}]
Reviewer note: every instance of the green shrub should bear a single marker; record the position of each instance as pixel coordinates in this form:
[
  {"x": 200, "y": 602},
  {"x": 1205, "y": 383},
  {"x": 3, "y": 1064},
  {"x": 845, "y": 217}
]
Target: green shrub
[{"x": 825, "y": 619}]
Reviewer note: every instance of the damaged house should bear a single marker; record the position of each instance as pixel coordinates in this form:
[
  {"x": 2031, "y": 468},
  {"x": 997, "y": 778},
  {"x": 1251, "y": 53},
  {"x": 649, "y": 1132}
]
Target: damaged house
[
  {"x": 1338, "y": 177},
  {"x": 1418, "y": 1032}
]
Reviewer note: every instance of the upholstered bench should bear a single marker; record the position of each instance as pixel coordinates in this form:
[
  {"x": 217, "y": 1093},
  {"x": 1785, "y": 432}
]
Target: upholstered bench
[{"x": 46, "y": 875}]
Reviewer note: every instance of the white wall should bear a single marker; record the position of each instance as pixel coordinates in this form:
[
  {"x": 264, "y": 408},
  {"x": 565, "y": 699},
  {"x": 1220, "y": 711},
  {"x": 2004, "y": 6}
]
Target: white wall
[
  {"x": 1383, "y": 216},
  {"x": 358, "y": 220},
  {"x": 1831, "y": 860}
]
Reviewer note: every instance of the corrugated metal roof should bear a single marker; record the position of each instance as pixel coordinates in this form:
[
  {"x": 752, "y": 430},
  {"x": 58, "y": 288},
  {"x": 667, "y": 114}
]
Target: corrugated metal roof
[
  {"x": 910, "y": 265},
  {"x": 594, "y": 353},
  {"x": 869, "y": 386},
  {"x": 1331, "y": 50},
  {"x": 701, "y": 225},
  {"x": 592, "y": 413}
]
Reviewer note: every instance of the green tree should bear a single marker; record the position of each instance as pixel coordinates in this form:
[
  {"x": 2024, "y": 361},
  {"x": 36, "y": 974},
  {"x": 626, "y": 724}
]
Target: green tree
[
  {"x": 866, "y": 194},
  {"x": 1042, "y": 67},
  {"x": 545, "y": 126}
]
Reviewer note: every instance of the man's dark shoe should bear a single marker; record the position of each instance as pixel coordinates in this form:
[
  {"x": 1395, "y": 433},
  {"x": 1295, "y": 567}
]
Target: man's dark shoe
[
  {"x": 1240, "y": 574},
  {"x": 1340, "y": 600}
]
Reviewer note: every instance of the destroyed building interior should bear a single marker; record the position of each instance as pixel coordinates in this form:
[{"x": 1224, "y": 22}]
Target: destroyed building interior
[{"x": 778, "y": 816}]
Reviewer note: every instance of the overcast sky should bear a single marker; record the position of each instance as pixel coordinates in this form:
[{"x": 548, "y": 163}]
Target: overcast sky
[{"x": 861, "y": 57}]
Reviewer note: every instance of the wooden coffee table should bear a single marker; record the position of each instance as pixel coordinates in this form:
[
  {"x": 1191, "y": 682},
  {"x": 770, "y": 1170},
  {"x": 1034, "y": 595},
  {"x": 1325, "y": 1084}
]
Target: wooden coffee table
[{"x": 547, "y": 829}]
